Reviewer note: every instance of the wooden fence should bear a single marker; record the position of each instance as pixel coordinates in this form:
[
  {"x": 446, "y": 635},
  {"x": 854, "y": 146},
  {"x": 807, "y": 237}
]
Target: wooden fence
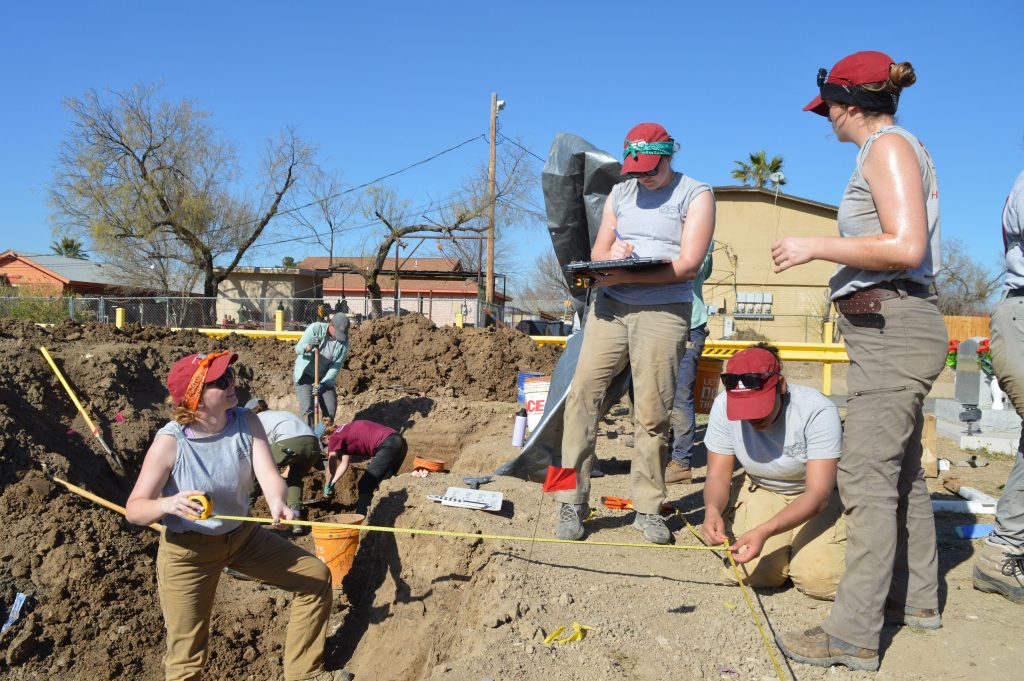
[{"x": 960, "y": 328}]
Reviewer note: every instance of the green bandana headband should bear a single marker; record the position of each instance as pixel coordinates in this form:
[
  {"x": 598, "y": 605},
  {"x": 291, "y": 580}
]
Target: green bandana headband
[{"x": 653, "y": 148}]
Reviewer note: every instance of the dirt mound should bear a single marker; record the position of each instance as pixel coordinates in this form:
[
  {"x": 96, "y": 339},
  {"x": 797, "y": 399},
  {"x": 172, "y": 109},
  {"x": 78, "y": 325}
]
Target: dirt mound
[{"x": 92, "y": 608}]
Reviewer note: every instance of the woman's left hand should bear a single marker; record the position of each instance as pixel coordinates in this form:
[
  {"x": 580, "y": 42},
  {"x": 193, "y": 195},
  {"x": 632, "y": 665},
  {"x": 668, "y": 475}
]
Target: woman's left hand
[
  {"x": 748, "y": 547},
  {"x": 792, "y": 251}
]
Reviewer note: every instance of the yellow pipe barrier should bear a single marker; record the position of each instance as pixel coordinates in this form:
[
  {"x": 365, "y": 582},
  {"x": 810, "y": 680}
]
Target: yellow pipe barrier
[
  {"x": 279, "y": 321},
  {"x": 119, "y": 317}
]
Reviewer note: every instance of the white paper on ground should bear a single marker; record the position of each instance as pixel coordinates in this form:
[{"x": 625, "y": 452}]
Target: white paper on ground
[{"x": 484, "y": 500}]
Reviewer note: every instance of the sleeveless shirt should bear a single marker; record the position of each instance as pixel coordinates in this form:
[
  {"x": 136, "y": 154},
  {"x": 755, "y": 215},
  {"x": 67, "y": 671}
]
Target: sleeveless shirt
[
  {"x": 859, "y": 217},
  {"x": 653, "y": 221},
  {"x": 220, "y": 465}
]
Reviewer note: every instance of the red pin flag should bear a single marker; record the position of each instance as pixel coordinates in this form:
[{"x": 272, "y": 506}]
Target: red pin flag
[{"x": 559, "y": 479}]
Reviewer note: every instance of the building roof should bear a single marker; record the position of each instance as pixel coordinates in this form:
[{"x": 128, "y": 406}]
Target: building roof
[
  {"x": 406, "y": 266},
  {"x": 770, "y": 194},
  {"x": 72, "y": 271}
]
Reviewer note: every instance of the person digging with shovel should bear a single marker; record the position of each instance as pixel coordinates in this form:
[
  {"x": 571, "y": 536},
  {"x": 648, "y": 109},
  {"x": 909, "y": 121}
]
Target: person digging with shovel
[{"x": 320, "y": 354}]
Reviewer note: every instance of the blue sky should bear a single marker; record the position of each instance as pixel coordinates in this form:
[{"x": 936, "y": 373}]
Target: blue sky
[{"x": 381, "y": 85}]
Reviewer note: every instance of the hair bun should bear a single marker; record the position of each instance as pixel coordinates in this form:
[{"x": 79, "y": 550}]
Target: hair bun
[{"x": 902, "y": 74}]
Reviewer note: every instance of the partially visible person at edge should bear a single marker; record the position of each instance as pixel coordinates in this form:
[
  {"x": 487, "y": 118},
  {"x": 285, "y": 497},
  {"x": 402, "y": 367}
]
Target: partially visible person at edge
[
  {"x": 684, "y": 423},
  {"x": 784, "y": 510},
  {"x": 888, "y": 253},
  {"x": 213, "y": 448},
  {"x": 330, "y": 340},
  {"x": 999, "y": 567},
  {"x": 640, "y": 318},
  {"x": 362, "y": 438},
  {"x": 295, "y": 448}
]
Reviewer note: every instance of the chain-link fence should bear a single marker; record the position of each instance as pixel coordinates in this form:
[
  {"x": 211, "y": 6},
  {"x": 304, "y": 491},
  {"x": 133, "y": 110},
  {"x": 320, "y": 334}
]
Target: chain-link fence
[{"x": 246, "y": 313}]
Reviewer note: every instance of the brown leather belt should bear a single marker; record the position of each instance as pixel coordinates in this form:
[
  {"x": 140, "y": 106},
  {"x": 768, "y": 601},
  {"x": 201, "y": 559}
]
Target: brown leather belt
[{"x": 869, "y": 300}]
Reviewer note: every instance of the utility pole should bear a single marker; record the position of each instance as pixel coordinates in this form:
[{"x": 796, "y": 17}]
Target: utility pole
[{"x": 491, "y": 198}]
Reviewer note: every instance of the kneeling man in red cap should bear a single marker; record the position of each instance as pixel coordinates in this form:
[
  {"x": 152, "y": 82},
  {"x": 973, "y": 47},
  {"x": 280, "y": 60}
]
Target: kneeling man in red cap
[{"x": 783, "y": 515}]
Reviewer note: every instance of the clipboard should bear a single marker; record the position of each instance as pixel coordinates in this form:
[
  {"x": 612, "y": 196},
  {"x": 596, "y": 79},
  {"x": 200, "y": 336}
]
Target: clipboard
[{"x": 586, "y": 268}]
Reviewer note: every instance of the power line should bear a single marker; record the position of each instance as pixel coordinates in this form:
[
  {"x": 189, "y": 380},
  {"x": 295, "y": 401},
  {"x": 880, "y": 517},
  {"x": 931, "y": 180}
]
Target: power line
[{"x": 509, "y": 139}]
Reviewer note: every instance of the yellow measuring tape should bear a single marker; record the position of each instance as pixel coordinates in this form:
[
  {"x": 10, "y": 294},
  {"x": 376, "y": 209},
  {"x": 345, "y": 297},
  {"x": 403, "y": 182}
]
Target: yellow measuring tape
[{"x": 465, "y": 535}]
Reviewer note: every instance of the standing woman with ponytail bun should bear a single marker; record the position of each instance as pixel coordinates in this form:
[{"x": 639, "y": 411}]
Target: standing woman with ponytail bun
[{"x": 888, "y": 252}]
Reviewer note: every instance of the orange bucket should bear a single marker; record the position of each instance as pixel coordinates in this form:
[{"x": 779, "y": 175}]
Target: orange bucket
[
  {"x": 432, "y": 465},
  {"x": 336, "y": 546}
]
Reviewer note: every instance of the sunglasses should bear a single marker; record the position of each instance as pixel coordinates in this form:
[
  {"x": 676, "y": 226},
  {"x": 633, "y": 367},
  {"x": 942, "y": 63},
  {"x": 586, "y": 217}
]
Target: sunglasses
[
  {"x": 647, "y": 173},
  {"x": 226, "y": 379},
  {"x": 747, "y": 381},
  {"x": 823, "y": 79}
]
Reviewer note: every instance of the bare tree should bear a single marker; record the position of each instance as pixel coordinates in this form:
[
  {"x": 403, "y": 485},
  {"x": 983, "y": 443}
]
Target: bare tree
[
  {"x": 329, "y": 206},
  {"x": 136, "y": 173},
  {"x": 547, "y": 290},
  {"x": 965, "y": 286},
  {"x": 462, "y": 214}
]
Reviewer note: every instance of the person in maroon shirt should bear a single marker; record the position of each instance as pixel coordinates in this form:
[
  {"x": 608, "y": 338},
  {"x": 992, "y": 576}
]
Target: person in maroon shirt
[{"x": 385, "y": 448}]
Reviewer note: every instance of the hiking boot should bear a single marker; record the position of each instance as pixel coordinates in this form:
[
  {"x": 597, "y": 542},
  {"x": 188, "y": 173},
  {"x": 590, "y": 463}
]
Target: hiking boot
[
  {"x": 676, "y": 472},
  {"x": 919, "y": 618},
  {"x": 816, "y": 647},
  {"x": 336, "y": 675},
  {"x": 1000, "y": 569},
  {"x": 654, "y": 528},
  {"x": 570, "y": 521},
  {"x": 595, "y": 471}
]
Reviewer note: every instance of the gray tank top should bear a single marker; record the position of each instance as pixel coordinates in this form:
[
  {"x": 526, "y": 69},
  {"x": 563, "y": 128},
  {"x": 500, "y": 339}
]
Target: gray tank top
[
  {"x": 220, "y": 465},
  {"x": 653, "y": 221},
  {"x": 1013, "y": 235},
  {"x": 859, "y": 217}
]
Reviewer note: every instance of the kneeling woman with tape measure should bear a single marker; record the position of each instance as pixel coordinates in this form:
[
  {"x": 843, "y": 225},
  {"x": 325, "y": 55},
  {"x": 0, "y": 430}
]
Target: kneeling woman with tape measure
[{"x": 209, "y": 454}]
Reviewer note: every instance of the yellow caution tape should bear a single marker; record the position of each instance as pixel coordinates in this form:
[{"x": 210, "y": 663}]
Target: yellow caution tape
[{"x": 579, "y": 632}]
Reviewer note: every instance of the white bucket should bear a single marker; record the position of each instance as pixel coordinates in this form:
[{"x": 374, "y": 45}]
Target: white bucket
[{"x": 535, "y": 394}]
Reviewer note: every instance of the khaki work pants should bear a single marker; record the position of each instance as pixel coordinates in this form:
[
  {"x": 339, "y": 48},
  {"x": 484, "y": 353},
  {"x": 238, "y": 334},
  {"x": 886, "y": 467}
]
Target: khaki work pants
[
  {"x": 895, "y": 356},
  {"x": 1007, "y": 329},
  {"x": 810, "y": 554},
  {"x": 189, "y": 565},
  {"x": 650, "y": 339}
]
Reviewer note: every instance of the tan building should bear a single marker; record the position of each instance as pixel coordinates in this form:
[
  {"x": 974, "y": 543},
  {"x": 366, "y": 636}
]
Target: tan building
[
  {"x": 744, "y": 291},
  {"x": 254, "y": 293}
]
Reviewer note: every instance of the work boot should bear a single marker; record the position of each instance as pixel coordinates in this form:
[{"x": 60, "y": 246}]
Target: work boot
[
  {"x": 570, "y": 521},
  {"x": 300, "y": 514},
  {"x": 816, "y": 647},
  {"x": 676, "y": 472},
  {"x": 918, "y": 618},
  {"x": 999, "y": 569},
  {"x": 654, "y": 528}
]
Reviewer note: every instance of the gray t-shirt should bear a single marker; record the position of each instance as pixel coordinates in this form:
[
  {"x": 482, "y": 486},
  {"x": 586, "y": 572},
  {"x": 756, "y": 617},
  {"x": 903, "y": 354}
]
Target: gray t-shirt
[
  {"x": 653, "y": 221},
  {"x": 858, "y": 216},
  {"x": 283, "y": 425},
  {"x": 1013, "y": 235},
  {"x": 220, "y": 465},
  {"x": 776, "y": 458}
]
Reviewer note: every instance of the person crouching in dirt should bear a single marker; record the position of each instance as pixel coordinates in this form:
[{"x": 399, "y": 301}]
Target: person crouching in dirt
[
  {"x": 785, "y": 509},
  {"x": 330, "y": 340},
  {"x": 295, "y": 449},
  {"x": 362, "y": 438},
  {"x": 213, "y": 448}
]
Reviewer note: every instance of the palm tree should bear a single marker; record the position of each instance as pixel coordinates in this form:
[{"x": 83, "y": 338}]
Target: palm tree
[
  {"x": 69, "y": 248},
  {"x": 760, "y": 171}
]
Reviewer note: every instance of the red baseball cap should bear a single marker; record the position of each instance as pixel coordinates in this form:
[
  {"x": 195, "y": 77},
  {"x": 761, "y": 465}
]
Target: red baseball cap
[
  {"x": 636, "y": 160},
  {"x": 746, "y": 404},
  {"x": 182, "y": 371},
  {"x": 856, "y": 69}
]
